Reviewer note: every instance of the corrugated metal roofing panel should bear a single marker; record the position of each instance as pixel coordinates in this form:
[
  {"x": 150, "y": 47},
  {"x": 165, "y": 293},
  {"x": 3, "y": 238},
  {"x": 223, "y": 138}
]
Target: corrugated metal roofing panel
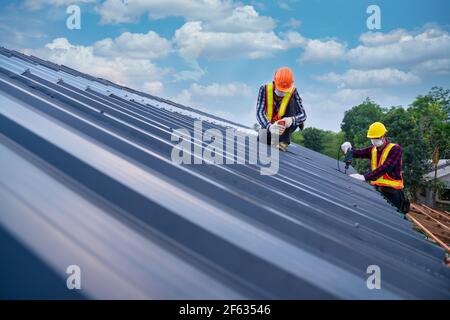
[{"x": 102, "y": 191}]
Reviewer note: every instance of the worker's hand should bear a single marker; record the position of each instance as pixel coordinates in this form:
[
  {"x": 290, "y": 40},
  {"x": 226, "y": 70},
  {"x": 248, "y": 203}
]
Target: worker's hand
[
  {"x": 276, "y": 129},
  {"x": 280, "y": 125},
  {"x": 282, "y": 129},
  {"x": 358, "y": 176},
  {"x": 346, "y": 146},
  {"x": 289, "y": 121}
]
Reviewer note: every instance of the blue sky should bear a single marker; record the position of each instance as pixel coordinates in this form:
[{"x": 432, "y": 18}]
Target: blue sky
[{"x": 214, "y": 54}]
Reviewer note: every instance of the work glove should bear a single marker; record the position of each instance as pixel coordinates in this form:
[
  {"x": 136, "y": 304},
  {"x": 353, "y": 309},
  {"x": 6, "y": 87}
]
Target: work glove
[
  {"x": 276, "y": 129},
  {"x": 289, "y": 121},
  {"x": 346, "y": 146},
  {"x": 358, "y": 176}
]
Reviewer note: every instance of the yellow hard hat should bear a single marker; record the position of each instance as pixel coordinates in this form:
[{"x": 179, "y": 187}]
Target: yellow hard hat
[{"x": 376, "y": 130}]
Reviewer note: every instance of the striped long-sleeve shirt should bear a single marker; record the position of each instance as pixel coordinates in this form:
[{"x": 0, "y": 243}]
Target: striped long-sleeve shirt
[
  {"x": 392, "y": 165},
  {"x": 300, "y": 115}
]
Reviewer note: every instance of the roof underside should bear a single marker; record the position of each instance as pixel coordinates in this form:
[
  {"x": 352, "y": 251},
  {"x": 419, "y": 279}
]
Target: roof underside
[{"x": 86, "y": 179}]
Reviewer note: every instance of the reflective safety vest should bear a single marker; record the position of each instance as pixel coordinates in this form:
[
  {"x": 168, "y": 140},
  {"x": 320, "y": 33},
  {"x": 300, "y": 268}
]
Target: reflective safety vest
[
  {"x": 269, "y": 103},
  {"x": 385, "y": 180}
]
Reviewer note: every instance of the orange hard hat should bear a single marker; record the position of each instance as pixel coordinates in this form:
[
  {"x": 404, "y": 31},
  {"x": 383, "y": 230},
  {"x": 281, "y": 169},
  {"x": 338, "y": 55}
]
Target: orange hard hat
[{"x": 284, "y": 79}]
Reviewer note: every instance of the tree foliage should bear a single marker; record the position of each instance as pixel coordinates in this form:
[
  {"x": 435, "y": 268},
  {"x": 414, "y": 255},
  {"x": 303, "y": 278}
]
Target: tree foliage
[
  {"x": 313, "y": 139},
  {"x": 358, "y": 119},
  {"x": 326, "y": 142}
]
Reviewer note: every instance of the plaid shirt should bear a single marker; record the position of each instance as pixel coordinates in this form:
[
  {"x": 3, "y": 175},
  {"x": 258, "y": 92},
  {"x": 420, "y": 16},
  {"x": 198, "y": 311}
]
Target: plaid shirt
[
  {"x": 392, "y": 165},
  {"x": 300, "y": 115}
]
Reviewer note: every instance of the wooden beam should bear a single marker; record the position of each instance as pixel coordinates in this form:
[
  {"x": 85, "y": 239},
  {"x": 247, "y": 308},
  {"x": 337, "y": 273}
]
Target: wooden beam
[
  {"x": 433, "y": 219},
  {"x": 433, "y": 227},
  {"x": 445, "y": 216},
  {"x": 429, "y": 233}
]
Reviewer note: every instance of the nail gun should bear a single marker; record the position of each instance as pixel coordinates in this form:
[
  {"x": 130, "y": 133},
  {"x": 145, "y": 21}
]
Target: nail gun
[{"x": 348, "y": 159}]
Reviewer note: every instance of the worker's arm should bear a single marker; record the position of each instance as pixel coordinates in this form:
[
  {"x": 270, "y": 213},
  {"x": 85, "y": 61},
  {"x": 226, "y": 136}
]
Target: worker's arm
[
  {"x": 393, "y": 158},
  {"x": 261, "y": 109},
  {"x": 300, "y": 114},
  {"x": 362, "y": 153}
]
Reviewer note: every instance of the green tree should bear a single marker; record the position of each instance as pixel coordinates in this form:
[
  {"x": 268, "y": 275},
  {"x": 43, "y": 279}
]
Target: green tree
[
  {"x": 313, "y": 139},
  {"x": 326, "y": 142},
  {"x": 355, "y": 124},
  {"x": 419, "y": 130},
  {"x": 402, "y": 129},
  {"x": 441, "y": 96},
  {"x": 358, "y": 119},
  {"x": 332, "y": 142},
  {"x": 431, "y": 117},
  {"x": 297, "y": 137}
]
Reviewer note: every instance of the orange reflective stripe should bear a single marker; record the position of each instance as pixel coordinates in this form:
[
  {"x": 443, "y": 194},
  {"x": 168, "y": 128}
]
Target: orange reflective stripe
[
  {"x": 285, "y": 103},
  {"x": 395, "y": 184},
  {"x": 269, "y": 103},
  {"x": 385, "y": 180}
]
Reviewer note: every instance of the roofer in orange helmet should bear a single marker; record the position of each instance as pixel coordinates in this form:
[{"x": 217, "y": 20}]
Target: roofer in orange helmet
[{"x": 279, "y": 109}]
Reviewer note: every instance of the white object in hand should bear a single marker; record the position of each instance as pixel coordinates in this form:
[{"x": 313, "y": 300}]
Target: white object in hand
[
  {"x": 358, "y": 176},
  {"x": 346, "y": 146},
  {"x": 289, "y": 121},
  {"x": 276, "y": 129}
]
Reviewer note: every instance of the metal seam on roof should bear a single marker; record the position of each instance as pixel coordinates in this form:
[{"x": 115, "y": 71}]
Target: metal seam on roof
[{"x": 304, "y": 203}]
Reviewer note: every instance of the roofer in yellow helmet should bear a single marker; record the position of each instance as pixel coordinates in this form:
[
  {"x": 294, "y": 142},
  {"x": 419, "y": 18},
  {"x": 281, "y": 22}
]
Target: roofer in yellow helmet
[{"x": 385, "y": 164}]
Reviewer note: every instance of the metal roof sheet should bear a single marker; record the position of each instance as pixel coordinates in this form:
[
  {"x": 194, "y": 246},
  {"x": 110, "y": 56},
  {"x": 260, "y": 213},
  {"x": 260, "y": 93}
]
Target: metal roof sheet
[{"x": 86, "y": 179}]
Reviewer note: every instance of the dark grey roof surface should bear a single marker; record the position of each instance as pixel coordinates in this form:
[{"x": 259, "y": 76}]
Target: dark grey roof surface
[{"x": 87, "y": 179}]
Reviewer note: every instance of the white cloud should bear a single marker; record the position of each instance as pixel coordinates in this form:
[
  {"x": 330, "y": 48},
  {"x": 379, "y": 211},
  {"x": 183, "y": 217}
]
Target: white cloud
[
  {"x": 371, "y": 39},
  {"x": 134, "y": 45},
  {"x": 122, "y": 70},
  {"x": 195, "y": 72},
  {"x": 242, "y": 19},
  {"x": 400, "y": 48},
  {"x": 214, "y": 29},
  {"x": 38, "y": 4},
  {"x": 284, "y": 5},
  {"x": 14, "y": 38},
  {"x": 438, "y": 66},
  {"x": 233, "y": 101},
  {"x": 258, "y": 5},
  {"x": 216, "y": 15},
  {"x": 326, "y": 109},
  {"x": 322, "y": 51},
  {"x": 193, "y": 41},
  {"x": 370, "y": 78},
  {"x": 294, "y": 39},
  {"x": 153, "y": 87},
  {"x": 216, "y": 90},
  {"x": 119, "y": 11},
  {"x": 292, "y": 23}
]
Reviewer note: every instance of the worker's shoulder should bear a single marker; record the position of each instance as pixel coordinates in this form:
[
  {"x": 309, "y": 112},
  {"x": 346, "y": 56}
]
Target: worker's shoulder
[
  {"x": 297, "y": 93},
  {"x": 262, "y": 87},
  {"x": 396, "y": 146}
]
